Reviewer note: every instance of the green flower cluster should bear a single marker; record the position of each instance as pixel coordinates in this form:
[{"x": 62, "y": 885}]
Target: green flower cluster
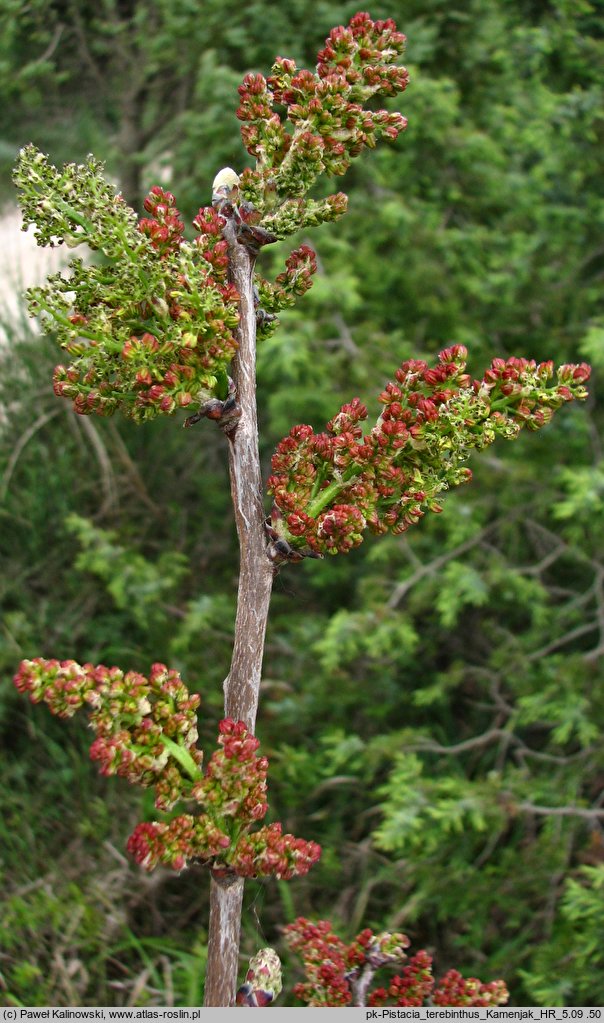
[
  {"x": 150, "y": 328},
  {"x": 288, "y": 286}
]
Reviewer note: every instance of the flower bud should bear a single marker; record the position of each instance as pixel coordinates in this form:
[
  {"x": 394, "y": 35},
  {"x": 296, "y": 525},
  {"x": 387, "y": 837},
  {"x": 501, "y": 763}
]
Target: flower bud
[{"x": 263, "y": 982}]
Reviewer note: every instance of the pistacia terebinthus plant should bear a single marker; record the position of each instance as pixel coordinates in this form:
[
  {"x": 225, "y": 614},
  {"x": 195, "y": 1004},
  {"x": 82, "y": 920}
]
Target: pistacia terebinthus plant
[
  {"x": 330, "y": 487},
  {"x": 339, "y": 974},
  {"x": 153, "y": 321},
  {"x": 146, "y": 732}
]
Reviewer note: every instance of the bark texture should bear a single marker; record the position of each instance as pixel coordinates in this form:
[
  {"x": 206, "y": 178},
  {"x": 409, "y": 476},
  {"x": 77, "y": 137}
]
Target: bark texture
[
  {"x": 241, "y": 687},
  {"x": 223, "y": 942}
]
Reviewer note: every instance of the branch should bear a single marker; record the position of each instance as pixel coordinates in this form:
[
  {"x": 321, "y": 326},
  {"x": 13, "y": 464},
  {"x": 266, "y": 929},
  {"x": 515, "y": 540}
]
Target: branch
[
  {"x": 477, "y": 741},
  {"x": 562, "y": 811},
  {"x": 133, "y": 475},
  {"x": 577, "y": 553},
  {"x": 593, "y": 655},
  {"x": 545, "y": 562},
  {"x": 241, "y": 687},
  {"x": 428, "y": 746},
  {"x": 580, "y": 630},
  {"x": 256, "y": 571},
  {"x": 24, "y": 439},
  {"x": 360, "y": 986},
  {"x": 433, "y": 566},
  {"x": 50, "y": 49},
  {"x": 107, "y": 475},
  {"x": 87, "y": 58}
]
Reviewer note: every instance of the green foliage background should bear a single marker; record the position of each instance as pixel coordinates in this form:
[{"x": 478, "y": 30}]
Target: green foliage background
[{"x": 432, "y": 704}]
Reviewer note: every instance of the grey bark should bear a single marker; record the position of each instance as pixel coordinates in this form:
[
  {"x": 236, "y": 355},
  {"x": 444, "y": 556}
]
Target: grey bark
[{"x": 241, "y": 687}]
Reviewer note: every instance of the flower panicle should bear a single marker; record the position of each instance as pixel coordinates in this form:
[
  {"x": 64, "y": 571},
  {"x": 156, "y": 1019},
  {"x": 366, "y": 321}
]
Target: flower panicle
[
  {"x": 234, "y": 782},
  {"x": 232, "y": 798},
  {"x": 330, "y": 487},
  {"x": 145, "y": 727},
  {"x": 269, "y": 853},
  {"x": 150, "y": 331},
  {"x": 335, "y": 972},
  {"x": 293, "y": 282},
  {"x": 325, "y": 959},
  {"x": 175, "y": 843},
  {"x": 210, "y": 242},
  {"x": 299, "y": 124},
  {"x": 453, "y": 989},
  {"x": 411, "y": 987},
  {"x": 146, "y": 731},
  {"x": 153, "y": 330},
  {"x": 163, "y": 228},
  {"x": 74, "y": 204}
]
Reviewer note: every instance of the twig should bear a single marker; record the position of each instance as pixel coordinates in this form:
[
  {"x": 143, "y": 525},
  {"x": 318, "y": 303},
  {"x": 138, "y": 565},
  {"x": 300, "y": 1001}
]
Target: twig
[
  {"x": 577, "y": 552},
  {"x": 545, "y": 562},
  {"x": 107, "y": 475},
  {"x": 433, "y": 566},
  {"x": 581, "y": 630},
  {"x": 561, "y": 811},
  {"x": 50, "y": 49},
  {"x": 134, "y": 475},
  {"x": 494, "y": 734},
  {"x": 428, "y": 746},
  {"x": 360, "y": 985},
  {"x": 19, "y": 446}
]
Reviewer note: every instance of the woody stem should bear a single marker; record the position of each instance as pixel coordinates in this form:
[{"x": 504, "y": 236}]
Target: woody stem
[{"x": 242, "y": 684}]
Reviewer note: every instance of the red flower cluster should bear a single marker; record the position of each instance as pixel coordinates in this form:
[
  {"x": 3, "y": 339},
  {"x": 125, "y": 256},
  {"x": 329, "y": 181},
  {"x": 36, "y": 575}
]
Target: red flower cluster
[
  {"x": 173, "y": 844},
  {"x": 212, "y": 246},
  {"x": 329, "y": 487},
  {"x": 270, "y": 853},
  {"x": 329, "y": 123},
  {"x": 234, "y": 783},
  {"x": 363, "y": 53},
  {"x": 325, "y": 963},
  {"x": 232, "y": 795},
  {"x": 412, "y": 986},
  {"x": 146, "y": 732},
  {"x": 453, "y": 989},
  {"x": 338, "y": 974},
  {"x": 164, "y": 229},
  {"x": 152, "y": 328},
  {"x": 146, "y": 729},
  {"x": 295, "y": 280}
]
